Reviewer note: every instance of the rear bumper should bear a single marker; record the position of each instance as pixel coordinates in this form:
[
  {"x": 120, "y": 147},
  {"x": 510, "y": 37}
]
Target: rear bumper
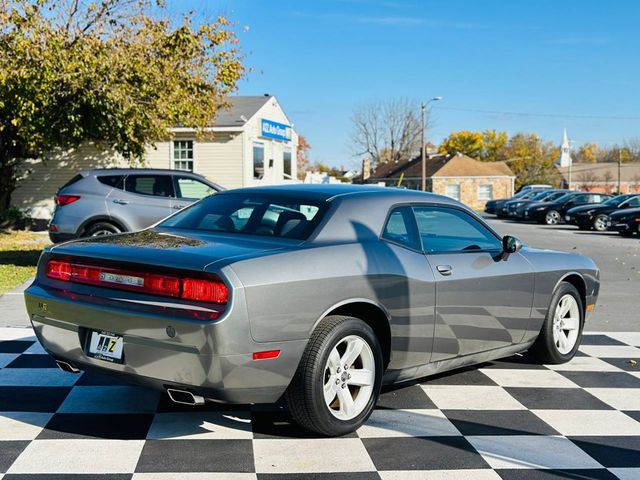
[
  {"x": 57, "y": 237},
  {"x": 214, "y": 360}
]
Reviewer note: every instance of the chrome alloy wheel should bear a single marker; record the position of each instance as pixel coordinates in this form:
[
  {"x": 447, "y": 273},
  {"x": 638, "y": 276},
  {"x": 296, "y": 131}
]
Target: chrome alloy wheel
[
  {"x": 552, "y": 218},
  {"x": 349, "y": 377},
  {"x": 102, "y": 233},
  {"x": 566, "y": 324},
  {"x": 600, "y": 223}
]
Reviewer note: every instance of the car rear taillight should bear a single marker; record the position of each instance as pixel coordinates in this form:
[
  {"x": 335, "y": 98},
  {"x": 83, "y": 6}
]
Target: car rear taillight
[
  {"x": 62, "y": 200},
  {"x": 187, "y": 288}
]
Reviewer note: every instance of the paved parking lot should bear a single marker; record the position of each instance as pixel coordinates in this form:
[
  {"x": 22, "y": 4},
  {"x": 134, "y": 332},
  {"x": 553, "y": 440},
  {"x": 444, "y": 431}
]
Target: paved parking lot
[{"x": 509, "y": 419}]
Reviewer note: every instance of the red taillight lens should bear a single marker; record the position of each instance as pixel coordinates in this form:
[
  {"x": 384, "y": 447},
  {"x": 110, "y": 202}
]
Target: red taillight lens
[
  {"x": 59, "y": 270},
  {"x": 62, "y": 200},
  {"x": 204, "y": 290},
  {"x": 201, "y": 290}
]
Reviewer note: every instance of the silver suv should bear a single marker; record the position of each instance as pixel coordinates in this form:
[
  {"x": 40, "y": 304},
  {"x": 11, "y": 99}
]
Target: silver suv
[{"x": 107, "y": 201}]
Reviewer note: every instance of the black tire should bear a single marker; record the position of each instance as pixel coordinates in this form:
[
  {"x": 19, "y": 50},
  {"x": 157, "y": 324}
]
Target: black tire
[
  {"x": 627, "y": 233},
  {"x": 552, "y": 214},
  {"x": 600, "y": 223},
  {"x": 544, "y": 349},
  {"x": 101, "y": 228},
  {"x": 583, "y": 227},
  {"x": 305, "y": 396}
]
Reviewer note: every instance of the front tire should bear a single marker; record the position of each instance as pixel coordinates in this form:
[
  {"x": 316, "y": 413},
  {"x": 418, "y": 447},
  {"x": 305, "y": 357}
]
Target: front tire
[
  {"x": 561, "y": 332},
  {"x": 337, "y": 383}
]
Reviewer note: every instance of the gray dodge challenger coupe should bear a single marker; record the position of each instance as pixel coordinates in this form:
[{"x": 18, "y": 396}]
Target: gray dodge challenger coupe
[{"x": 315, "y": 294}]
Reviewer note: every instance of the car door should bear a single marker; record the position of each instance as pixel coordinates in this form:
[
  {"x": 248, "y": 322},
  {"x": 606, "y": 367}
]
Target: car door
[
  {"x": 483, "y": 299},
  {"x": 145, "y": 200},
  {"x": 188, "y": 190},
  {"x": 576, "y": 201}
]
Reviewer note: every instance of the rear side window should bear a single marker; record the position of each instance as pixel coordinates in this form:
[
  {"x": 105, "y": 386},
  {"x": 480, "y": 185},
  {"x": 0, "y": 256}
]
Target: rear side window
[
  {"x": 75, "y": 179},
  {"x": 115, "y": 181},
  {"x": 400, "y": 228},
  {"x": 155, "y": 185},
  {"x": 251, "y": 215}
]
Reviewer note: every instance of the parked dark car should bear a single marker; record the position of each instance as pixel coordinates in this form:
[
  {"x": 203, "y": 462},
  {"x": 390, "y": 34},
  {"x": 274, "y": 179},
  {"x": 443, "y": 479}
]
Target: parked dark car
[
  {"x": 493, "y": 206},
  {"x": 549, "y": 196},
  {"x": 107, "y": 201},
  {"x": 512, "y": 206},
  {"x": 626, "y": 222},
  {"x": 587, "y": 217},
  {"x": 503, "y": 209},
  {"x": 553, "y": 213}
]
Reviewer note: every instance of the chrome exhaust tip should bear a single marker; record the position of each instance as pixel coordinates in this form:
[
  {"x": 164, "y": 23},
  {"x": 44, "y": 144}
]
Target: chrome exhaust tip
[
  {"x": 67, "y": 367},
  {"x": 184, "y": 397}
]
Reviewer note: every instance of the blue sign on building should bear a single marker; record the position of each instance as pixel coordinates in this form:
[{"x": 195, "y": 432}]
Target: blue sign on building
[{"x": 275, "y": 130}]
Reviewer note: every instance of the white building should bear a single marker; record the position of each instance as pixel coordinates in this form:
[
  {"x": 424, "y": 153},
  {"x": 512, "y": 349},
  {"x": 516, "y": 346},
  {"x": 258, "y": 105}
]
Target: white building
[
  {"x": 565, "y": 159},
  {"x": 253, "y": 143}
]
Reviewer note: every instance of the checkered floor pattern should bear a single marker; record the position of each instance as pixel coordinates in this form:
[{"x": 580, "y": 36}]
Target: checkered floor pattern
[{"x": 509, "y": 419}]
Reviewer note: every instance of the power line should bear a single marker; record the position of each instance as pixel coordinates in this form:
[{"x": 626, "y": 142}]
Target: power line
[{"x": 545, "y": 115}]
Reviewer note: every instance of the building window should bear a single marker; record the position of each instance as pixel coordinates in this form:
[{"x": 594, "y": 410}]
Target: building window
[
  {"x": 183, "y": 155},
  {"x": 258, "y": 161},
  {"x": 286, "y": 163},
  {"x": 485, "y": 192},
  {"x": 452, "y": 190}
]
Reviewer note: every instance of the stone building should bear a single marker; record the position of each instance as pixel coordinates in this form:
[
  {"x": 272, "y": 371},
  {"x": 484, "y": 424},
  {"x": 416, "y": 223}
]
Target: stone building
[{"x": 461, "y": 177}]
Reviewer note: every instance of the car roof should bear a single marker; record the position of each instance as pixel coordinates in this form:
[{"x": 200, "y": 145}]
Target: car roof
[
  {"x": 331, "y": 191},
  {"x": 126, "y": 171}
]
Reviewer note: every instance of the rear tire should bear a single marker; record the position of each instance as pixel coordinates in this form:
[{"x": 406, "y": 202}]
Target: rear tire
[
  {"x": 100, "y": 229},
  {"x": 552, "y": 217},
  {"x": 600, "y": 223},
  {"x": 561, "y": 332},
  {"x": 326, "y": 398}
]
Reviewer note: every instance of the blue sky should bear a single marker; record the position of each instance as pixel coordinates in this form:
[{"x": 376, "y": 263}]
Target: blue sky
[{"x": 568, "y": 59}]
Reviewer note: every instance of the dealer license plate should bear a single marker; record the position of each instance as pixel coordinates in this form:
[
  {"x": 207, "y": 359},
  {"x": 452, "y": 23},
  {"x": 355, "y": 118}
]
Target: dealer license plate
[{"x": 106, "y": 346}]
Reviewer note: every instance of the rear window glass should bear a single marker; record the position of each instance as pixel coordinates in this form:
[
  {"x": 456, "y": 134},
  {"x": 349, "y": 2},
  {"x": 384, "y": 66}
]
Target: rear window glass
[
  {"x": 114, "y": 181},
  {"x": 156, "y": 185},
  {"x": 251, "y": 215},
  {"x": 72, "y": 181}
]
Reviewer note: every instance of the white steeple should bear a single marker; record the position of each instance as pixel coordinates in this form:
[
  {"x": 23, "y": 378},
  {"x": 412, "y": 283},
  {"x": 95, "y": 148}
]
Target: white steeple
[{"x": 565, "y": 152}]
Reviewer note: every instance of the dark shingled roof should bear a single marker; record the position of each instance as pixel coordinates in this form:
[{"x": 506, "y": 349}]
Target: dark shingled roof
[
  {"x": 246, "y": 106},
  {"x": 443, "y": 166}
]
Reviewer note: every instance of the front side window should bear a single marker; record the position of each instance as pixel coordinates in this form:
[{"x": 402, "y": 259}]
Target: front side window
[
  {"x": 250, "y": 214},
  {"x": 258, "y": 161},
  {"x": 154, "y": 185},
  {"x": 452, "y": 190},
  {"x": 187, "y": 187},
  {"x": 286, "y": 163},
  {"x": 633, "y": 202},
  {"x": 400, "y": 228},
  {"x": 183, "y": 155},
  {"x": 451, "y": 230},
  {"x": 485, "y": 192}
]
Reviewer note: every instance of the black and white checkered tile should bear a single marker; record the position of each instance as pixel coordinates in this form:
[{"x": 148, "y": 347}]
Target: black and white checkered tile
[{"x": 509, "y": 419}]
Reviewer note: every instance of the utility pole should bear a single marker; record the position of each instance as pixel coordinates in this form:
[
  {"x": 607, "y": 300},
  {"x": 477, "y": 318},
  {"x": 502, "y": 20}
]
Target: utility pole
[
  {"x": 423, "y": 153},
  {"x": 619, "y": 169}
]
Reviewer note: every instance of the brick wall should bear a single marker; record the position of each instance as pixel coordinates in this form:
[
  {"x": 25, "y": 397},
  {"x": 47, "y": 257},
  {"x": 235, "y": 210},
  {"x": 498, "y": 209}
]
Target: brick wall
[{"x": 470, "y": 189}]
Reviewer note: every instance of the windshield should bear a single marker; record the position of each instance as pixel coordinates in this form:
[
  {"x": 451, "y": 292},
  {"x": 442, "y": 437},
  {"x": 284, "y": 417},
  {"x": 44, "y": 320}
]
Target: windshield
[
  {"x": 555, "y": 196},
  {"x": 615, "y": 201},
  {"x": 563, "y": 198},
  {"x": 251, "y": 214},
  {"x": 542, "y": 196}
]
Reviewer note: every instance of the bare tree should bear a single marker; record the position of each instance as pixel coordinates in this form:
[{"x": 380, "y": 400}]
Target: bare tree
[
  {"x": 386, "y": 130},
  {"x": 588, "y": 179}
]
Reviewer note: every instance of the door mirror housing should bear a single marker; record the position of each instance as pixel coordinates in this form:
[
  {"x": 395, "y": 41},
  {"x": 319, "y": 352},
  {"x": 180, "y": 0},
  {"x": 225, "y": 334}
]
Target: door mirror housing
[{"x": 510, "y": 244}]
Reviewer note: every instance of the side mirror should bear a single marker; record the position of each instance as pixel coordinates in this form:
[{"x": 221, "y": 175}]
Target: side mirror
[{"x": 510, "y": 244}]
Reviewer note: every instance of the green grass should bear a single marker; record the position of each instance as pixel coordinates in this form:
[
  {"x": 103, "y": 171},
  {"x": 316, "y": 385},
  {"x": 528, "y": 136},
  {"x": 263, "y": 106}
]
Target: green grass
[{"x": 19, "y": 253}]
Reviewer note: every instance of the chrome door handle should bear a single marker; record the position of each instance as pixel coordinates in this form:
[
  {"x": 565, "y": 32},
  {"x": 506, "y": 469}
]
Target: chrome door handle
[
  {"x": 444, "y": 269},
  {"x": 120, "y": 201}
]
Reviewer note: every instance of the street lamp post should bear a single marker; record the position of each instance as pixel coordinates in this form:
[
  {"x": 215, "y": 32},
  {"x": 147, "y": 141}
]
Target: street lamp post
[{"x": 423, "y": 153}]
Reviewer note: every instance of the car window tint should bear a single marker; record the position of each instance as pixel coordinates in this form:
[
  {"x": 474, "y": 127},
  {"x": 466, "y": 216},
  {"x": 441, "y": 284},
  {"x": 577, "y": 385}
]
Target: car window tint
[
  {"x": 114, "y": 181},
  {"x": 187, "y": 187},
  {"x": 252, "y": 215},
  {"x": 452, "y": 230},
  {"x": 156, "y": 185},
  {"x": 399, "y": 228},
  {"x": 633, "y": 202}
]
